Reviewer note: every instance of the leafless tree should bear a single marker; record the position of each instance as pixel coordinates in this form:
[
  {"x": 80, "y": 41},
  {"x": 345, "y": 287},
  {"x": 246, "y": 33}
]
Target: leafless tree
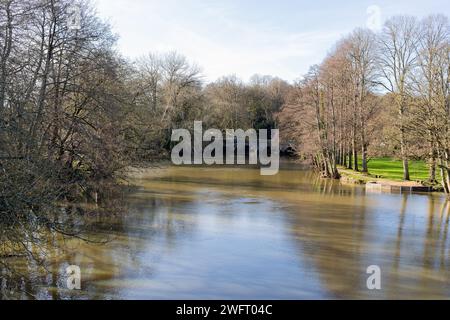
[{"x": 398, "y": 59}]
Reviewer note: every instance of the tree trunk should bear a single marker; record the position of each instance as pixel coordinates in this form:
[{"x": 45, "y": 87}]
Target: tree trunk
[
  {"x": 403, "y": 141},
  {"x": 404, "y": 154},
  {"x": 432, "y": 160},
  {"x": 355, "y": 160},
  {"x": 350, "y": 159},
  {"x": 355, "y": 153},
  {"x": 365, "y": 168},
  {"x": 6, "y": 51}
]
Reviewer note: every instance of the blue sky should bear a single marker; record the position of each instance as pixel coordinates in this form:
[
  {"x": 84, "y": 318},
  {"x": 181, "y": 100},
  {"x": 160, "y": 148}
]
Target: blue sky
[{"x": 244, "y": 37}]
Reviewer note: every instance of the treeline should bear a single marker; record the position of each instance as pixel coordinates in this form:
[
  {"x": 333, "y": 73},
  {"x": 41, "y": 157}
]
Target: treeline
[
  {"x": 170, "y": 93},
  {"x": 63, "y": 101},
  {"x": 62, "y": 104},
  {"x": 383, "y": 93}
]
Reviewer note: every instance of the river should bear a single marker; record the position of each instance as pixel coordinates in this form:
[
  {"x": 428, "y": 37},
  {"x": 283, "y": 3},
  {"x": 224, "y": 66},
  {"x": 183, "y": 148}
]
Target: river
[{"x": 230, "y": 233}]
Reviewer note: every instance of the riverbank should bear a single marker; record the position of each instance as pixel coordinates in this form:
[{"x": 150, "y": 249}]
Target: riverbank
[
  {"x": 383, "y": 184},
  {"x": 387, "y": 173},
  {"x": 353, "y": 177},
  {"x": 392, "y": 169}
]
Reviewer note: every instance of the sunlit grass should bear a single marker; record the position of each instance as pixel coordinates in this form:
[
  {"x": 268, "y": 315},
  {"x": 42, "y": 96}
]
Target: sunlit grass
[{"x": 390, "y": 168}]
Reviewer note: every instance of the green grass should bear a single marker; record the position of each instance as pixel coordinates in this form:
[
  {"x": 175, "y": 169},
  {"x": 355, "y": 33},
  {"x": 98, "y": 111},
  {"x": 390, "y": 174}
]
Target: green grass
[{"x": 392, "y": 169}]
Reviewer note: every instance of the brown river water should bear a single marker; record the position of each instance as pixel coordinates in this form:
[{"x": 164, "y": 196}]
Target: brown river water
[{"x": 230, "y": 233}]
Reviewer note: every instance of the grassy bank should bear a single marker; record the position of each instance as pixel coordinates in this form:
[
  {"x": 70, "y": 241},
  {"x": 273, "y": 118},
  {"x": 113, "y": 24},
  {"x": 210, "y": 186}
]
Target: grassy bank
[
  {"x": 392, "y": 169},
  {"x": 389, "y": 171}
]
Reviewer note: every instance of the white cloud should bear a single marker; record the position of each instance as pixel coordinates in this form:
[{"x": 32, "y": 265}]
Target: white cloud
[{"x": 214, "y": 38}]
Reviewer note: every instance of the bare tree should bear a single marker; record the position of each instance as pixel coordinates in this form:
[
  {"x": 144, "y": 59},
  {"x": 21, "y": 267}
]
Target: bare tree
[
  {"x": 398, "y": 59},
  {"x": 428, "y": 79},
  {"x": 362, "y": 56}
]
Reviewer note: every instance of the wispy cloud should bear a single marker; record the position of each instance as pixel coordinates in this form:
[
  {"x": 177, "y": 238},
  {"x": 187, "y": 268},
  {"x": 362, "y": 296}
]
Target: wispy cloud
[{"x": 237, "y": 37}]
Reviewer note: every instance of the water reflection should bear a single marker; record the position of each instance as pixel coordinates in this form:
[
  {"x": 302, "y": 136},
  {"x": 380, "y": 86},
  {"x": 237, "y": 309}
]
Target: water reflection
[{"x": 229, "y": 233}]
